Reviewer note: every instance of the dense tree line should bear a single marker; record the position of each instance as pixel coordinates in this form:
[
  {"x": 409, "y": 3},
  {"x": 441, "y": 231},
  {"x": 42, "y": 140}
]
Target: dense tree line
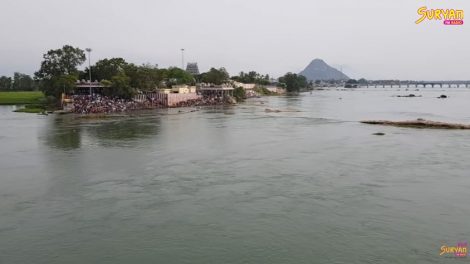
[
  {"x": 214, "y": 76},
  {"x": 19, "y": 82},
  {"x": 252, "y": 77},
  {"x": 59, "y": 73}
]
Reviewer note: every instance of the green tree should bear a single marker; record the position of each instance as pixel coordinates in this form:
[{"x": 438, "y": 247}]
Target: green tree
[
  {"x": 145, "y": 77},
  {"x": 252, "y": 77},
  {"x": 215, "y": 76},
  {"x": 176, "y": 75},
  {"x": 106, "y": 83},
  {"x": 105, "y": 69},
  {"x": 62, "y": 84},
  {"x": 120, "y": 87},
  {"x": 294, "y": 82},
  {"x": 5, "y": 83},
  {"x": 22, "y": 82},
  {"x": 351, "y": 83},
  {"x": 239, "y": 93},
  {"x": 362, "y": 81},
  {"x": 59, "y": 65},
  {"x": 62, "y": 61}
]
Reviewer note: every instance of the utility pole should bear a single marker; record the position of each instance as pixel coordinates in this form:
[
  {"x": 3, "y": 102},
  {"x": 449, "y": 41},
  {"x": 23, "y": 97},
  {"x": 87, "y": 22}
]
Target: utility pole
[
  {"x": 182, "y": 59},
  {"x": 89, "y": 65}
]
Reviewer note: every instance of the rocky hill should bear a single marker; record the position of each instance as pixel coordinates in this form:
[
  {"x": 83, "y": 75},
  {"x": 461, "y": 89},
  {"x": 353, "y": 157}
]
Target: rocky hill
[{"x": 319, "y": 70}]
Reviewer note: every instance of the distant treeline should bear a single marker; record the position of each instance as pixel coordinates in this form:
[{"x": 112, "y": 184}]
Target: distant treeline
[
  {"x": 59, "y": 73},
  {"x": 19, "y": 82}
]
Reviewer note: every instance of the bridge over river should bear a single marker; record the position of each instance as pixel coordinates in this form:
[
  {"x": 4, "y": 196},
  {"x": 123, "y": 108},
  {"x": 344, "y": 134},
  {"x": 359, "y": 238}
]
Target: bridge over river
[{"x": 416, "y": 84}]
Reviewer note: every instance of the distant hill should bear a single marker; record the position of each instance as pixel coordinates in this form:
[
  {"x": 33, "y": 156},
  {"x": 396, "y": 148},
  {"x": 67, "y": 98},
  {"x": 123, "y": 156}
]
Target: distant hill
[{"x": 319, "y": 70}]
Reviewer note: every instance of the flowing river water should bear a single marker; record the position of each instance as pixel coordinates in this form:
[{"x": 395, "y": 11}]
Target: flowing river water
[{"x": 239, "y": 184}]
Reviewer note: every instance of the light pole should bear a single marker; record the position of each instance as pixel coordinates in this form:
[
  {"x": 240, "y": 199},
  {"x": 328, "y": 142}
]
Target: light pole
[
  {"x": 182, "y": 59},
  {"x": 89, "y": 65}
]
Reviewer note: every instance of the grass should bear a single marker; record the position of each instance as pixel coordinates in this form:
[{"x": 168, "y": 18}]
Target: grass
[
  {"x": 264, "y": 91},
  {"x": 32, "y": 108},
  {"x": 13, "y": 98}
]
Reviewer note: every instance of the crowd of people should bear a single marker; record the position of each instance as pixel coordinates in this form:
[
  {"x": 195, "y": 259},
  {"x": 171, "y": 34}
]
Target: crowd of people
[
  {"x": 97, "y": 104},
  {"x": 85, "y": 104}
]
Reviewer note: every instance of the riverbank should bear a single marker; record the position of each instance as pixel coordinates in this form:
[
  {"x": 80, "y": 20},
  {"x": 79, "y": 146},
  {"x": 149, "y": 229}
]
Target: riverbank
[{"x": 34, "y": 101}]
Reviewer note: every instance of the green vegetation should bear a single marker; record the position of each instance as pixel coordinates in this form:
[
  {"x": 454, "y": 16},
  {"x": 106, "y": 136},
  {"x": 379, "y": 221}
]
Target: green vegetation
[
  {"x": 293, "y": 82},
  {"x": 120, "y": 86},
  {"x": 263, "y": 91},
  {"x": 104, "y": 69},
  {"x": 252, "y": 77},
  {"x": 12, "y": 98},
  {"x": 239, "y": 94},
  {"x": 19, "y": 82},
  {"x": 122, "y": 78},
  {"x": 58, "y": 72},
  {"x": 146, "y": 77},
  {"x": 214, "y": 76},
  {"x": 34, "y": 108},
  {"x": 351, "y": 83},
  {"x": 362, "y": 81}
]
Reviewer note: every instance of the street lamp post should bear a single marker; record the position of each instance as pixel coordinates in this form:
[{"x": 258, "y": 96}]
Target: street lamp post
[
  {"x": 89, "y": 65},
  {"x": 182, "y": 59}
]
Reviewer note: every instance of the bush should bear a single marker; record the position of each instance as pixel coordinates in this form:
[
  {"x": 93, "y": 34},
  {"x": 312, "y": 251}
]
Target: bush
[
  {"x": 263, "y": 91},
  {"x": 239, "y": 94}
]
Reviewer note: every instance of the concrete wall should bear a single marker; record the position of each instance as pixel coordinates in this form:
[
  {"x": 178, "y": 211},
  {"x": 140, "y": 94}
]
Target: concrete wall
[
  {"x": 183, "y": 89},
  {"x": 246, "y": 86},
  {"x": 169, "y": 100},
  {"x": 175, "y": 98}
]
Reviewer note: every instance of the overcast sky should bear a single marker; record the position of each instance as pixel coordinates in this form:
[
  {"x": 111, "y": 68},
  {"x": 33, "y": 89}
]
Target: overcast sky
[{"x": 372, "y": 38}]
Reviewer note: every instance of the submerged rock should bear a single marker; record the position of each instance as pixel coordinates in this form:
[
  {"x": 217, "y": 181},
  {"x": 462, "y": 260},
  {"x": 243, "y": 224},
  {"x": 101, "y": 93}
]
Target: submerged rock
[
  {"x": 418, "y": 123},
  {"x": 410, "y": 95},
  {"x": 231, "y": 100},
  {"x": 442, "y": 96},
  {"x": 379, "y": 134}
]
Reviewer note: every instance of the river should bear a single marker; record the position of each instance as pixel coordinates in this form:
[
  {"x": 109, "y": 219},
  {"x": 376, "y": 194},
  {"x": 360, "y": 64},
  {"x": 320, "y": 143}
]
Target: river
[{"x": 309, "y": 184}]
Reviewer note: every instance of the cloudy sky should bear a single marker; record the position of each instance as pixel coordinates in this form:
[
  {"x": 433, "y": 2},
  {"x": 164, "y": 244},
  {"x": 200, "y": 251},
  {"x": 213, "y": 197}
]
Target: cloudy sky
[{"x": 371, "y": 38}]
